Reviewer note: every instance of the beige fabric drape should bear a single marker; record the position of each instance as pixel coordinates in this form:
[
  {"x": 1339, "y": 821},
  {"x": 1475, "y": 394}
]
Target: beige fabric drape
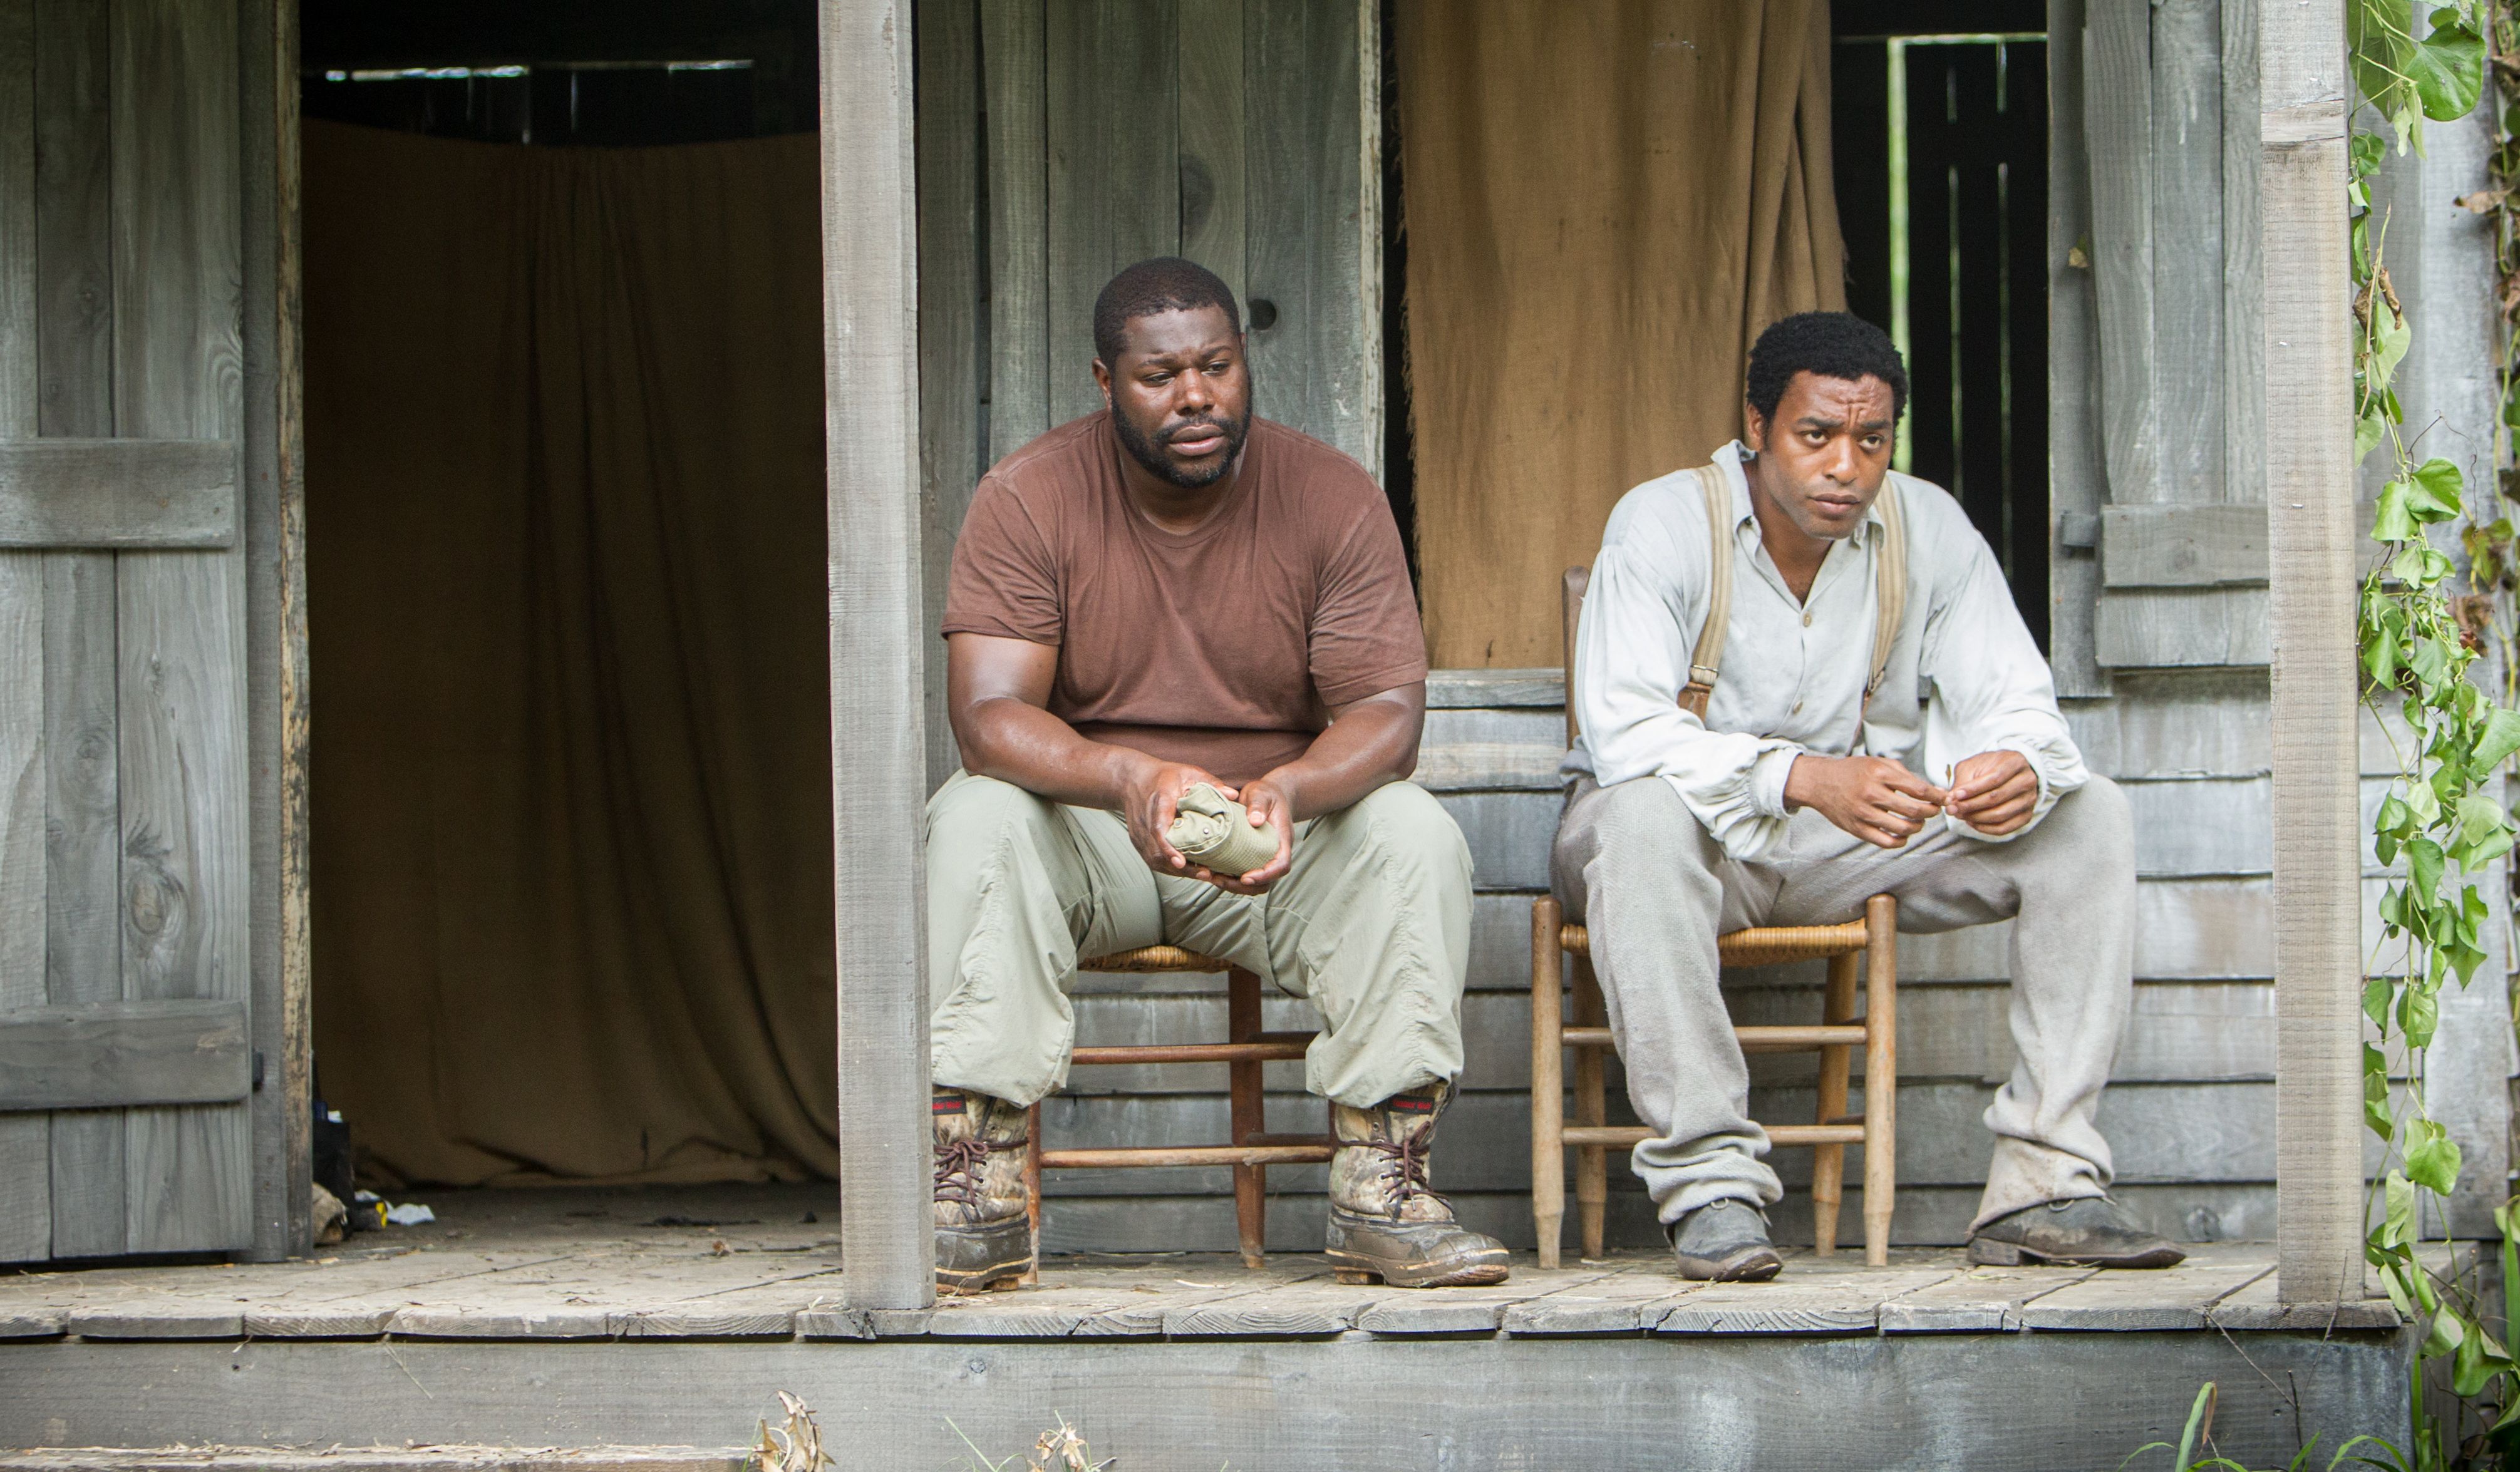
[
  {"x": 1606, "y": 203},
  {"x": 572, "y": 879}
]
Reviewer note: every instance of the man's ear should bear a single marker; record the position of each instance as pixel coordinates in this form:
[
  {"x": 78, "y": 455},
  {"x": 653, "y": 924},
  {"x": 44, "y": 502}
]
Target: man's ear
[
  {"x": 1754, "y": 428},
  {"x": 1102, "y": 381}
]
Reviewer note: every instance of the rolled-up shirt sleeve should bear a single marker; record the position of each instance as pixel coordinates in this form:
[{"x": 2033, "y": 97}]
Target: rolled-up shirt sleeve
[
  {"x": 1640, "y": 620},
  {"x": 1993, "y": 690}
]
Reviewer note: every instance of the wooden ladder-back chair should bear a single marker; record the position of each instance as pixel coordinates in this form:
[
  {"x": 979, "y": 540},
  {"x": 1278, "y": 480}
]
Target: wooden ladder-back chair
[
  {"x": 1873, "y": 937},
  {"x": 1252, "y": 1150}
]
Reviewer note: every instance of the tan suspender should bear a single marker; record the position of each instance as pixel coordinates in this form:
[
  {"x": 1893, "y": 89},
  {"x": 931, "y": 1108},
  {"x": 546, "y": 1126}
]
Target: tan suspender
[{"x": 1706, "y": 660}]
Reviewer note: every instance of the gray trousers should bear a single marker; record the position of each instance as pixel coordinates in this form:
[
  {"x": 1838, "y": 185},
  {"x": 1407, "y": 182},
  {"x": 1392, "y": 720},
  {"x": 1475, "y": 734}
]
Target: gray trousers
[
  {"x": 1371, "y": 922},
  {"x": 1655, "y": 890}
]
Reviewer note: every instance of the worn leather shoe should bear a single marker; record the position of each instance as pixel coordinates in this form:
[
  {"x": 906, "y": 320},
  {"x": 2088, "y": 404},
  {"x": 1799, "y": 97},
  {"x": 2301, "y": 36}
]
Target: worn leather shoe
[
  {"x": 983, "y": 1235},
  {"x": 1386, "y": 1220},
  {"x": 2080, "y": 1232},
  {"x": 1725, "y": 1242}
]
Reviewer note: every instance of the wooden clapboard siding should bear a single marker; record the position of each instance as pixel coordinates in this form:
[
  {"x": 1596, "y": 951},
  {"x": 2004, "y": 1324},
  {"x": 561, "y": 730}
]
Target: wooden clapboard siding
[
  {"x": 2077, "y": 468},
  {"x": 180, "y": 627},
  {"x": 1313, "y": 241},
  {"x": 1215, "y": 197},
  {"x": 1016, "y": 83},
  {"x": 1114, "y": 169},
  {"x": 949, "y": 330},
  {"x": 26, "y": 1142}
]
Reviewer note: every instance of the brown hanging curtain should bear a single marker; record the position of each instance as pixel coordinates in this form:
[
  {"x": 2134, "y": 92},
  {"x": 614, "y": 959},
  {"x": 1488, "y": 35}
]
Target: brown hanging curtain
[
  {"x": 572, "y": 872},
  {"x": 1606, "y": 203}
]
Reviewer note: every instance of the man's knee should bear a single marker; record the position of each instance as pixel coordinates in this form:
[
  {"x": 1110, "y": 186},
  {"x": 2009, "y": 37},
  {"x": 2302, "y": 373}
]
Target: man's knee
[
  {"x": 1403, "y": 822},
  {"x": 1644, "y": 826},
  {"x": 970, "y": 817},
  {"x": 2095, "y": 822}
]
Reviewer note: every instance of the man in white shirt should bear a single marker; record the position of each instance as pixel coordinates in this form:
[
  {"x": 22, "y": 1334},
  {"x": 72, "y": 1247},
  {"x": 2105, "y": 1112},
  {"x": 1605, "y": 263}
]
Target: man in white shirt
[{"x": 1952, "y": 784}]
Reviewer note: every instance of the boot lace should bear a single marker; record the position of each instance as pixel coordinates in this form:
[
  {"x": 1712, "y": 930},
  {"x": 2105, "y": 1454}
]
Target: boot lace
[
  {"x": 958, "y": 1170},
  {"x": 1407, "y": 1157}
]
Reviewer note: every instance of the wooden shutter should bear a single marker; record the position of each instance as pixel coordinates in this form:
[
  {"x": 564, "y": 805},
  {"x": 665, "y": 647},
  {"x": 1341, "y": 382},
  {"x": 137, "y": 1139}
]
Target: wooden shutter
[
  {"x": 2158, "y": 376},
  {"x": 126, "y": 957}
]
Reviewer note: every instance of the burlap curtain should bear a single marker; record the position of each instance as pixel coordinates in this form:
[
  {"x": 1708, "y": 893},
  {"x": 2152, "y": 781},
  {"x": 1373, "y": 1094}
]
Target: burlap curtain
[
  {"x": 1606, "y": 203},
  {"x": 573, "y": 879}
]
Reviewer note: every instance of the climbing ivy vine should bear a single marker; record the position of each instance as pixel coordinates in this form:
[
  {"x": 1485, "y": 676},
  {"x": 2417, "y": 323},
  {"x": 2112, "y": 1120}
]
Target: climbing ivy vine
[{"x": 2442, "y": 815}]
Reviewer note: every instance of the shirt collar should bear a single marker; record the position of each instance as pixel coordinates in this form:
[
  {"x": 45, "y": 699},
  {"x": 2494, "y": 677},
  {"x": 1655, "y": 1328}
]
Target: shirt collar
[{"x": 1730, "y": 459}]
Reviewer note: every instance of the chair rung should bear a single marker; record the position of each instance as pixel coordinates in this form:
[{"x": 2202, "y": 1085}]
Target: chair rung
[
  {"x": 1265, "y": 1051},
  {"x": 1759, "y": 946},
  {"x": 1798, "y": 1038},
  {"x": 1156, "y": 960},
  {"x": 1753, "y": 1039},
  {"x": 1161, "y": 1155},
  {"x": 1778, "y": 1134}
]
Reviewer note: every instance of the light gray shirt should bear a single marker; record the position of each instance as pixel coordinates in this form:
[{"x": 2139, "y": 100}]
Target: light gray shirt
[{"x": 1964, "y": 676}]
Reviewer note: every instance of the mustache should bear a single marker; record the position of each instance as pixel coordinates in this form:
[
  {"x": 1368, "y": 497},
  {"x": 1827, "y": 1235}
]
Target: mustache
[{"x": 1195, "y": 428}]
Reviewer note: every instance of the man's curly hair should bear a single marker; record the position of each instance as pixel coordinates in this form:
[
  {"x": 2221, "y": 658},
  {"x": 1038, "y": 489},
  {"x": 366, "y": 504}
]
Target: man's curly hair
[
  {"x": 1832, "y": 344},
  {"x": 1162, "y": 283}
]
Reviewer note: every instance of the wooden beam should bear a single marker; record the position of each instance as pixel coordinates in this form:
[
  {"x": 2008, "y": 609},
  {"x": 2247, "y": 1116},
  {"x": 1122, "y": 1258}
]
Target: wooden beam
[
  {"x": 2077, "y": 469},
  {"x": 950, "y": 300},
  {"x": 879, "y": 715},
  {"x": 2182, "y": 546},
  {"x": 117, "y": 493},
  {"x": 2311, "y": 539},
  {"x": 120, "y": 1054}
]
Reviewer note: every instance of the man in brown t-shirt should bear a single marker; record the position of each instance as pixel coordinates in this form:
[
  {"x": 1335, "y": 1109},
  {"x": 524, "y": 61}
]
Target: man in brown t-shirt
[{"x": 1170, "y": 593}]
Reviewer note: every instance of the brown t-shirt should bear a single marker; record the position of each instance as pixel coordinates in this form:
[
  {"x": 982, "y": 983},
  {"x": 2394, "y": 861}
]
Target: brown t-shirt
[{"x": 1223, "y": 646}]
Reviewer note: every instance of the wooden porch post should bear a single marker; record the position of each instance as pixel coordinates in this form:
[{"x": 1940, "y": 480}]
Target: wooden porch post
[
  {"x": 878, "y": 721},
  {"x": 2303, "y": 107}
]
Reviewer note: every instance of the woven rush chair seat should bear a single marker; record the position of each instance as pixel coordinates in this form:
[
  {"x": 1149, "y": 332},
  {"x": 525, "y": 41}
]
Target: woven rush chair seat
[
  {"x": 1250, "y": 1149},
  {"x": 1872, "y": 939}
]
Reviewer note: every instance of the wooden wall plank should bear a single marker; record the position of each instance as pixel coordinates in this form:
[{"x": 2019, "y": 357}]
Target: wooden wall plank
[
  {"x": 1309, "y": 253},
  {"x": 1213, "y": 193},
  {"x": 124, "y": 1052},
  {"x": 2182, "y": 546},
  {"x": 949, "y": 327},
  {"x": 282, "y": 1109},
  {"x": 2077, "y": 469},
  {"x": 119, "y": 493},
  {"x": 2117, "y": 98},
  {"x": 83, "y": 869},
  {"x": 2244, "y": 348},
  {"x": 25, "y": 1206},
  {"x": 2317, "y": 916},
  {"x": 180, "y": 615},
  {"x": 2188, "y": 290},
  {"x": 1114, "y": 169},
  {"x": 879, "y": 751},
  {"x": 2172, "y": 627},
  {"x": 1014, "y": 81}
]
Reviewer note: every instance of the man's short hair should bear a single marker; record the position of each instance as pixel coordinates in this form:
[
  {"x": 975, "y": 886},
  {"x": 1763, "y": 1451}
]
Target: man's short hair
[
  {"x": 1832, "y": 344},
  {"x": 1163, "y": 284}
]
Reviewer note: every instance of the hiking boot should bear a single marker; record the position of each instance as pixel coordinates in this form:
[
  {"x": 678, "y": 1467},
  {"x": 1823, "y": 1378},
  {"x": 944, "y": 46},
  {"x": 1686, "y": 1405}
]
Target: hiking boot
[
  {"x": 1386, "y": 1220},
  {"x": 1724, "y": 1241},
  {"x": 2080, "y": 1232},
  {"x": 982, "y": 1235}
]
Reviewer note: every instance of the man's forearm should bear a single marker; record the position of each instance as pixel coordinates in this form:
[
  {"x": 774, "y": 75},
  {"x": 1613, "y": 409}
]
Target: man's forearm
[
  {"x": 1024, "y": 744},
  {"x": 1370, "y": 746}
]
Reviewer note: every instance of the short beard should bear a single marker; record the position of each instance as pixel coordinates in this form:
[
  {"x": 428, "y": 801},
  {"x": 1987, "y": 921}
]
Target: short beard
[{"x": 1151, "y": 456}]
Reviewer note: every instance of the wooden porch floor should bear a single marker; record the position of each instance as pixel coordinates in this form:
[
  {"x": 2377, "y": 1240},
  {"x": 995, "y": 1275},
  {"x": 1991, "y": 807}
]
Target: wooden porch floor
[{"x": 753, "y": 1263}]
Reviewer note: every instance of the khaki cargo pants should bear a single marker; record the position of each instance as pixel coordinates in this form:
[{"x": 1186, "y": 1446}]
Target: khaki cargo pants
[{"x": 1372, "y": 924}]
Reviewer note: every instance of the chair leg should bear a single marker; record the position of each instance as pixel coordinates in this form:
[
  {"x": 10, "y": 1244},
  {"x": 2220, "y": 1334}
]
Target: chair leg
[
  {"x": 1880, "y": 1075},
  {"x": 1032, "y": 1194},
  {"x": 1548, "y": 1080},
  {"x": 1249, "y": 1112},
  {"x": 1828, "y": 1162},
  {"x": 1592, "y": 1108}
]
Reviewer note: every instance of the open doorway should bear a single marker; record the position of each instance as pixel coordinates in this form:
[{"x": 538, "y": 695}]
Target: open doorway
[{"x": 570, "y": 776}]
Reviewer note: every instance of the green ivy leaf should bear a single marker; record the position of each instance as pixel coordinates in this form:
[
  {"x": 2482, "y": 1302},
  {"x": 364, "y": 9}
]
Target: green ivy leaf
[
  {"x": 2418, "y": 1014},
  {"x": 2438, "y": 489},
  {"x": 2375, "y": 1088},
  {"x": 2444, "y": 1337},
  {"x": 2395, "y": 519},
  {"x": 2432, "y": 1156},
  {"x": 2375, "y": 1006},
  {"x": 2430, "y": 661},
  {"x": 2371, "y": 428},
  {"x": 2398, "y": 1221},
  {"x": 2364, "y": 154},
  {"x": 2500, "y": 738},
  {"x": 2389, "y": 348},
  {"x": 2448, "y": 68}
]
